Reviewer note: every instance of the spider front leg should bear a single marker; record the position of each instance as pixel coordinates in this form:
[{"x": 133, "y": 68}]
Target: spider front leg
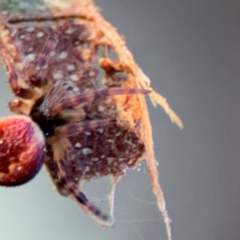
[
  {"x": 37, "y": 79},
  {"x": 92, "y": 96},
  {"x": 18, "y": 106},
  {"x": 13, "y": 77}
]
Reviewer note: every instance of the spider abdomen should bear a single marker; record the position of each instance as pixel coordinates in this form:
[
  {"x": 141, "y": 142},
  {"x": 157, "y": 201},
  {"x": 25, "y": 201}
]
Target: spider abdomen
[{"x": 22, "y": 150}]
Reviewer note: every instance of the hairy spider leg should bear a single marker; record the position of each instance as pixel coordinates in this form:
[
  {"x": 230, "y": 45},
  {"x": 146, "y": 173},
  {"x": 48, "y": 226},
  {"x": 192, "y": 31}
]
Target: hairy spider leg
[
  {"x": 72, "y": 129},
  {"x": 75, "y": 128},
  {"x": 60, "y": 147},
  {"x": 79, "y": 196},
  {"x": 13, "y": 77},
  {"x": 92, "y": 96},
  {"x": 111, "y": 197},
  {"x": 45, "y": 53},
  {"x": 49, "y": 46}
]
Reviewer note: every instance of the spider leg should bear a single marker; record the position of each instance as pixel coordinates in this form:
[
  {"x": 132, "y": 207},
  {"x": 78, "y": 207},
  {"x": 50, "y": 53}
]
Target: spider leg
[
  {"x": 74, "y": 114},
  {"x": 111, "y": 197},
  {"x": 74, "y": 128},
  {"x": 92, "y": 96},
  {"x": 77, "y": 194},
  {"x": 13, "y": 77},
  {"x": 44, "y": 55},
  {"x": 15, "y": 106}
]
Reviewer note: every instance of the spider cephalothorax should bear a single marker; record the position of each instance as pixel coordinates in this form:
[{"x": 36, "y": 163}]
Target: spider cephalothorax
[{"x": 52, "y": 58}]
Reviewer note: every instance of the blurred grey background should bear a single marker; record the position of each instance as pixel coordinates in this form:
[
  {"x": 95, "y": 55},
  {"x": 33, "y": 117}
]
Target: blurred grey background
[{"x": 191, "y": 52}]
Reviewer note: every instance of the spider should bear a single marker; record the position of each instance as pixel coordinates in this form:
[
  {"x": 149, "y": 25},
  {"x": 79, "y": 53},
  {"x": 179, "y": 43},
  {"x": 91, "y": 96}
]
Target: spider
[
  {"x": 56, "y": 112},
  {"x": 65, "y": 119}
]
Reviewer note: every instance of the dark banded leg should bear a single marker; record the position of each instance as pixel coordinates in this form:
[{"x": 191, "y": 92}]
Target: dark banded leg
[
  {"x": 92, "y": 96},
  {"x": 44, "y": 55},
  {"x": 79, "y": 196},
  {"x": 13, "y": 77},
  {"x": 75, "y": 128}
]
